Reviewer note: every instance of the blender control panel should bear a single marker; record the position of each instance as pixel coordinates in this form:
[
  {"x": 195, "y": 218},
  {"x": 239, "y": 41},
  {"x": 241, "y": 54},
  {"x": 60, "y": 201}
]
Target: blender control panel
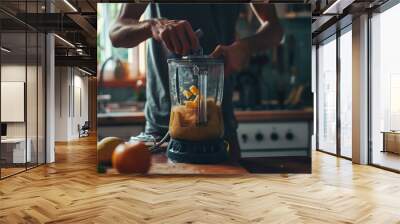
[{"x": 274, "y": 138}]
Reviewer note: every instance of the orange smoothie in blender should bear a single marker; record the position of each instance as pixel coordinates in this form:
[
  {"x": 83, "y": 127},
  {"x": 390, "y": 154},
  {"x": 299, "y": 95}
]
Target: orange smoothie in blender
[{"x": 184, "y": 120}]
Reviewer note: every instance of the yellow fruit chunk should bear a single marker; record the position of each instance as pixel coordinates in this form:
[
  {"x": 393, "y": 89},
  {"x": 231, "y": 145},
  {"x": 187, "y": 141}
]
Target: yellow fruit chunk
[
  {"x": 194, "y": 90},
  {"x": 190, "y": 104},
  {"x": 187, "y": 94}
]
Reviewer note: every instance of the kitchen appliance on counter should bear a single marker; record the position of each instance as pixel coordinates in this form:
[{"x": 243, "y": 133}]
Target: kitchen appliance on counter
[
  {"x": 275, "y": 133},
  {"x": 196, "y": 125},
  {"x": 275, "y": 141}
]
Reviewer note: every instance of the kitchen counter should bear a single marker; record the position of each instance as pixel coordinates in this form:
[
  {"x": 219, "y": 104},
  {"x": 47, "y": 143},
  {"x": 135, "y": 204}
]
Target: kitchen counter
[
  {"x": 242, "y": 116},
  {"x": 162, "y": 165},
  {"x": 290, "y": 163}
]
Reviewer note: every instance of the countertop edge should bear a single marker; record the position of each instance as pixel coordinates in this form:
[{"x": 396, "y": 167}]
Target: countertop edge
[{"x": 241, "y": 116}]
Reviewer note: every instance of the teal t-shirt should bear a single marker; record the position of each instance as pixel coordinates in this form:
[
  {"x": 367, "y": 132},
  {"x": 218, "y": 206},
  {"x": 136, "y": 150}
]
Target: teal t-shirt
[{"x": 217, "y": 22}]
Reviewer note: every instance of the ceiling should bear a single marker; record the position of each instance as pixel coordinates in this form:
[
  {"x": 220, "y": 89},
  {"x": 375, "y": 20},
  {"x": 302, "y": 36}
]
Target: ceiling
[
  {"x": 72, "y": 20},
  {"x": 332, "y": 15},
  {"x": 75, "y": 21}
]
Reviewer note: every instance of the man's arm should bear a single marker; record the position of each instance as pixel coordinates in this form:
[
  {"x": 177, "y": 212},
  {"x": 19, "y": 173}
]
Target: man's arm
[
  {"x": 270, "y": 32},
  {"x": 128, "y": 31},
  {"x": 177, "y": 35},
  {"x": 237, "y": 55}
]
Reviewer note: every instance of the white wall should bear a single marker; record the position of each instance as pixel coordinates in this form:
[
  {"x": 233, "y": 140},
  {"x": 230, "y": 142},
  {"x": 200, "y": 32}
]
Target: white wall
[
  {"x": 61, "y": 103},
  {"x": 71, "y": 94},
  {"x": 12, "y": 73},
  {"x": 80, "y": 96}
]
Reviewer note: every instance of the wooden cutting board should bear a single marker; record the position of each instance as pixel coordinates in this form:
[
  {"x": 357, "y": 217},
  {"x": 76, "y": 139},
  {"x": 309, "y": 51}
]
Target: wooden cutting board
[{"x": 162, "y": 165}]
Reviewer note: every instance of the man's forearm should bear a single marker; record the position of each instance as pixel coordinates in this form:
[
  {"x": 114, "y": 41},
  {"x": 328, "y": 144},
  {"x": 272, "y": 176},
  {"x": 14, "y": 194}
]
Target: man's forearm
[
  {"x": 268, "y": 36},
  {"x": 129, "y": 33}
]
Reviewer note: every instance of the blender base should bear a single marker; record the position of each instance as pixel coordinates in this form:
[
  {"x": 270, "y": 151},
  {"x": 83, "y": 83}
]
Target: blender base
[{"x": 200, "y": 152}]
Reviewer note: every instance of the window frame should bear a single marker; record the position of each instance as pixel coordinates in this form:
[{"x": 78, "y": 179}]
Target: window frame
[{"x": 334, "y": 37}]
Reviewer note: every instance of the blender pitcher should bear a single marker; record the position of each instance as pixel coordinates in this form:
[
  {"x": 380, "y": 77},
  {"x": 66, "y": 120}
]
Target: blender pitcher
[{"x": 196, "y": 125}]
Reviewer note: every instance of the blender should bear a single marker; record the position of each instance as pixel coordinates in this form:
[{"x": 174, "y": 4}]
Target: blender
[{"x": 196, "y": 125}]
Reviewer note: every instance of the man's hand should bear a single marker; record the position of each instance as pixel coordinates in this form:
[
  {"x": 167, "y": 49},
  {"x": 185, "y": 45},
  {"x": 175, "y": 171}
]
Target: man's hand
[
  {"x": 236, "y": 56},
  {"x": 177, "y": 35}
]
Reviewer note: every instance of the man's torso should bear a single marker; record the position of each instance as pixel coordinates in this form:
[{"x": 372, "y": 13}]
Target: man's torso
[{"x": 217, "y": 22}]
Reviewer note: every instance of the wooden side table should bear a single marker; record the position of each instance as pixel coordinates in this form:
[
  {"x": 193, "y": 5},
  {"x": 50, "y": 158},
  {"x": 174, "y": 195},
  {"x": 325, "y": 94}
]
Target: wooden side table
[{"x": 391, "y": 141}]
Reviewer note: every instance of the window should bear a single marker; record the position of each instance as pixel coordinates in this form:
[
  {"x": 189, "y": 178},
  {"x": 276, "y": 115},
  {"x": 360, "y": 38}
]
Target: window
[
  {"x": 314, "y": 82},
  {"x": 327, "y": 96},
  {"x": 122, "y": 85},
  {"x": 132, "y": 58},
  {"x": 346, "y": 93},
  {"x": 385, "y": 87}
]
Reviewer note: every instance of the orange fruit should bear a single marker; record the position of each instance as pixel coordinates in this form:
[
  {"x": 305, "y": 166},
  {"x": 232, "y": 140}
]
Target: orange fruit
[
  {"x": 132, "y": 158},
  {"x": 105, "y": 149}
]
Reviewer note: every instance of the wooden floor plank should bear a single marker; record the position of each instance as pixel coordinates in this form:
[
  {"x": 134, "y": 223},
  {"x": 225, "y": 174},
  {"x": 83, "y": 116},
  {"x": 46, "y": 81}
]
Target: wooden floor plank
[{"x": 71, "y": 191}]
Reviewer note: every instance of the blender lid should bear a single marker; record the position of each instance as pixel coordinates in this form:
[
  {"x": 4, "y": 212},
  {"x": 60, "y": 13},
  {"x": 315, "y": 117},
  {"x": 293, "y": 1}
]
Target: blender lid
[{"x": 196, "y": 59}]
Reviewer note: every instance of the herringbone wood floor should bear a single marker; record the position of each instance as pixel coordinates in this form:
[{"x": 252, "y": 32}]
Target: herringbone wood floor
[{"x": 70, "y": 191}]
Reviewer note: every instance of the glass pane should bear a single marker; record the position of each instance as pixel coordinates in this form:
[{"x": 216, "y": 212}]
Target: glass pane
[
  {"x": 32, "y": 87},
  {"x": 13, "y": 85},
  {"x": 385, "y": 84},
  {"x": 23, "y": 90},
  {"x": 327, "y": 96},
  {"x": 314, "y": 81},
  {"x": 346, "y": 94},
  {"x": 31, "y": 98},
  {"x": 41, "y": 99}
]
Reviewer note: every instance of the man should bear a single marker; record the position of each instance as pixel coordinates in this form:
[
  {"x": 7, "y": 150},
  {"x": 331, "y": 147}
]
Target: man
[{"x": 170, "y": 30}]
